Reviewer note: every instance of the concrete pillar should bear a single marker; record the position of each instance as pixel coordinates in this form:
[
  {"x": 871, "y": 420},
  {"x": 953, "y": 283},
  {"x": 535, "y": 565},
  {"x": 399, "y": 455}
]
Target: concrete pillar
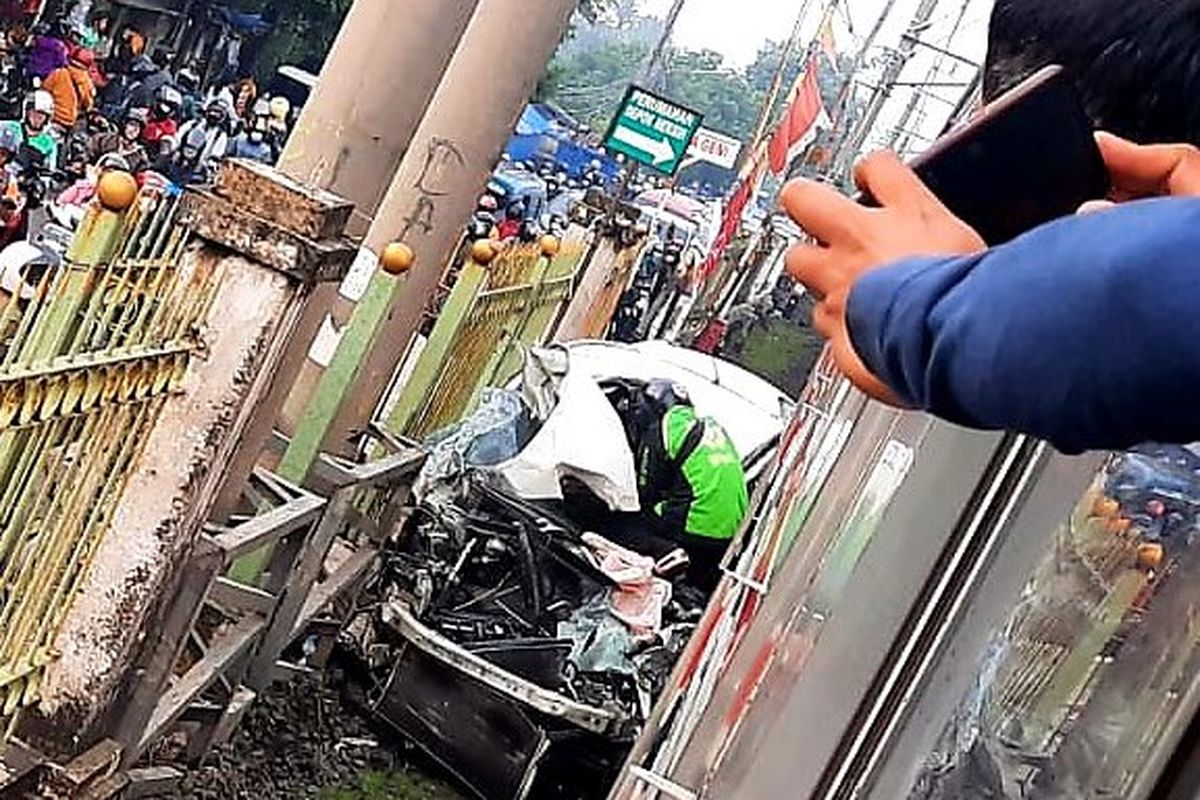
[
  {"x": 493, "y": 74},
  {"x": 377, "y": 81},
  {"x": 258, "y": 247}
]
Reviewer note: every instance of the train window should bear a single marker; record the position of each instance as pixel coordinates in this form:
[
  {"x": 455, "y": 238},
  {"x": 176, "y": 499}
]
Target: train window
[{"x": 1081, "y": 689}]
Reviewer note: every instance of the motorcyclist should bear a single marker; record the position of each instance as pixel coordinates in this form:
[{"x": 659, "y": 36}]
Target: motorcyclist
[
  {"x": 70, "y": 204},
  {"x": 34, "y": 130},
  {"x": 184, "y": 166},
  {"x": 47, "y": 53},
  {"x": 514, "y": 220},
  {"x": 253, "y": 144},
  {"x": 691, "y": 483},
  {"x": 150, "y": 75},
  {"x": 13, "y": 219},
  {"x": 76, "y": 150},
  {"x": 72, "y": 88},
  {"x": 125, "y": 142},
  {"x": 483, "y": 221},
  {"x": 214, "y": 126},
  {"x": 163, "y": 123},
  {"x": 188, "y": 83},
  {"x": 280, "y": 109}
]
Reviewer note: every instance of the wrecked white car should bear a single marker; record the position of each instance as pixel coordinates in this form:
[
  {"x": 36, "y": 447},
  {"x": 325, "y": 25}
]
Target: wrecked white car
[{"x": 506, "y": 636}]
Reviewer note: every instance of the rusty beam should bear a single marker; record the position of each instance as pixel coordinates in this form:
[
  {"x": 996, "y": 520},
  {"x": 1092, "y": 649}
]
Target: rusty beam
[
  {"x": 268, "y": 528},
  {"x": 233, "y": 596},
  {"x": 223, "y": 653}
]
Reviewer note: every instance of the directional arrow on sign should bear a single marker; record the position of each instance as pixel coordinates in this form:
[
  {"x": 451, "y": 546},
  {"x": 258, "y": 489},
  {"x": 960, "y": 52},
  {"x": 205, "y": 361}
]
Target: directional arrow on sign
[{"x": 660, "y": 149}]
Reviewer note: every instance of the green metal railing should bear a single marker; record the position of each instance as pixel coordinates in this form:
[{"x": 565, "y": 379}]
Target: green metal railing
[
  {"x": 492, "y": 312},
  {"x": 89, "y": 352}
]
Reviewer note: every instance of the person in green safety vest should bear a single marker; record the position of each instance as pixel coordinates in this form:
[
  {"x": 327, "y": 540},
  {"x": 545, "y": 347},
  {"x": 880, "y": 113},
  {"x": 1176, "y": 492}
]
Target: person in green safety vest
[{"x": 691, "y": 482}]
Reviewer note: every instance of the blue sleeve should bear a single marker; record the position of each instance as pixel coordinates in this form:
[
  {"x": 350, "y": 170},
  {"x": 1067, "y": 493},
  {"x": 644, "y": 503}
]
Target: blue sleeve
[{"x": 1084, "y": 332}]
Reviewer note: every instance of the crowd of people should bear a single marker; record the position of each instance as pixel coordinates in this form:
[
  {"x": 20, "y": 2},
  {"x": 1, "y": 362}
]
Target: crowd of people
[{"x": 80, "y": 98}]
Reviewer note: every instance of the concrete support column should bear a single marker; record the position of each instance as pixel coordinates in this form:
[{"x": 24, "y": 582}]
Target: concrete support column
[
  {"x": 374, "y": 88},
  {"x": 376, "y": 82},
  {"x": 260, "y": 242},
  {"x": 493, "y": 74}
]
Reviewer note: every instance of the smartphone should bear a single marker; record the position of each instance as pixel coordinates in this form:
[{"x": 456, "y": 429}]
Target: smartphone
[{"x": 1026, "y": 159}]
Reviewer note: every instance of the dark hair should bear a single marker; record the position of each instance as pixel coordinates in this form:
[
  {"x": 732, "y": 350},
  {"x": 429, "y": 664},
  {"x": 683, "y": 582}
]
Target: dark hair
[
  {"x": 161, "y": 58},
  {"x": 1136, "y": 62}
]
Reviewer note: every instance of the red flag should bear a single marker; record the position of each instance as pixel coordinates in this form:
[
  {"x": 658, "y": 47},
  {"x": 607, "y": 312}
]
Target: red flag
[
  {"x": 779, "y": 147},
  {"x": 802, "y": 114}
]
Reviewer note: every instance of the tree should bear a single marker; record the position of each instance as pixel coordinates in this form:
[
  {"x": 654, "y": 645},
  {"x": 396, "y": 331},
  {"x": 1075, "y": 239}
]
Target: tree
[
  {"x": 700, "y": 80},
  {"x": 302, "y": 32},
  {"x": 589, "y": 84}
]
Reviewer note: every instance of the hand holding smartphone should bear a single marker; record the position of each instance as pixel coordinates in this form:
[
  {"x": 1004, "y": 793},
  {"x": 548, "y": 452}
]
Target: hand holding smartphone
[{"x": 1026, "y": 159}]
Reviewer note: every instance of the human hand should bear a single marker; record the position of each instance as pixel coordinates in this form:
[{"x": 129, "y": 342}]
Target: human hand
[
  {"x": 1140, "y": 171},
  {"x": 853, "y": 240}
]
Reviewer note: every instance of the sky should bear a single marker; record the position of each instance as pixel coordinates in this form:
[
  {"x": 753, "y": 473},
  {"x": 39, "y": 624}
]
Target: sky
[{"x": 737, "y": 28}]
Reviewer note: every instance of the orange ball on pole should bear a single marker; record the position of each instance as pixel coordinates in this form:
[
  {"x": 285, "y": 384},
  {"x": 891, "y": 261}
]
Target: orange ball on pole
[
  {"x": 117, "y": 190},
  {"x": 483, "y": 251},
  {"x": 397, "y": 258}
]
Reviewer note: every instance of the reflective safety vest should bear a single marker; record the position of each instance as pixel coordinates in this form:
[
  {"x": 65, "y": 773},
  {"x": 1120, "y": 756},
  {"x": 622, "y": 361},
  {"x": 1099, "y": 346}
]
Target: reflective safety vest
[{"x": 702, "y": 485}]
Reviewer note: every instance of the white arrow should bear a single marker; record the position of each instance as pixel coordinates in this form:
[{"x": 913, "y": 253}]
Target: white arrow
[{"x": 661, "y": 150}]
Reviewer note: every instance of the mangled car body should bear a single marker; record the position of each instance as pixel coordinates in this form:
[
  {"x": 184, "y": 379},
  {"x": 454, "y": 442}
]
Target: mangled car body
[{"x": 510, "y": 639}]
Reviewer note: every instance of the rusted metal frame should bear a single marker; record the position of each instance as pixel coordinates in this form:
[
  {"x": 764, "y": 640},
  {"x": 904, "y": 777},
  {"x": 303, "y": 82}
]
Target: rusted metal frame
[
  {"x": 196, "y": 642},
  {"x": 349, "y": 574},
  {"x": 233, "y": 596},
  {"x": 153, "y": 676},
  {"x": 549, "y": 299},
  {"x": 513, "y": 334},
  {"x": 20, "y": 570},
  {"x": 152, "y": 279},
  {"x": 464, "y": 369},
  {"x": 46, "y": 290},
  {"x": 31, "y": 460},
  {"x": 111, "y": 358},
  {"x": 224, "y": 651},
  {"x": 308, "y": 597},
  {"x": 269, "y": 528},
  {"x": 283, "y": 490},
  {"x": 66, "y": 532},
  {"x": 70, "y": 465},
  {"x": 308, "y": 560},
  {"x": 373, "y": 474},
  {"x": 117, "y": 475},
  {"x": 151, "y": 782},
  {"x": 217, "y": 731},
  {"x": 17, "y": 763}
]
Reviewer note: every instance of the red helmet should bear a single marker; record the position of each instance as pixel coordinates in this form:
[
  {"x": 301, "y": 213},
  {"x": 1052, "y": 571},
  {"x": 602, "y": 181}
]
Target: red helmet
[{"x": 82, "y": 57}]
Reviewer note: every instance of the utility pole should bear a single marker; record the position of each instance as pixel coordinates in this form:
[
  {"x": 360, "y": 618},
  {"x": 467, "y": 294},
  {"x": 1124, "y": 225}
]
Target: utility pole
[
  {"x": 899, "y": 59},
  {"x": 915, "y": 101},
  {"x": 764, "y": 114},
  {"x": 434, "y": 190},
  {"x": 374, "y": 87},
  {"x": 660, "y": 48}
]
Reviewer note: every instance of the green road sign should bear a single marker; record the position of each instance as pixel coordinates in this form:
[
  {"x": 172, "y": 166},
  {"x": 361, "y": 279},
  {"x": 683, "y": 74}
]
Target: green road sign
[{"x": 653, "y": 130}]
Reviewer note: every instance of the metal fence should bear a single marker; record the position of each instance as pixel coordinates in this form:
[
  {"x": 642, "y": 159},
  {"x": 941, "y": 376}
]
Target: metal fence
[
  {"x": 492, "y": 311},
  {"x": 89, "y": 350},
  {"x": 223, "y": 642}
]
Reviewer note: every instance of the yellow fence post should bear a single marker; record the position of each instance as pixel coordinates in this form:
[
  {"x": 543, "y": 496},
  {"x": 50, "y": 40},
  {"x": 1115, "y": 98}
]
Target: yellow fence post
[{"x": 424, "y": 379}]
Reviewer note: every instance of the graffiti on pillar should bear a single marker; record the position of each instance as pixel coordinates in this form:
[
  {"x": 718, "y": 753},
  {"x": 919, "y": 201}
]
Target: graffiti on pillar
[{"x": 442, "y": 158}]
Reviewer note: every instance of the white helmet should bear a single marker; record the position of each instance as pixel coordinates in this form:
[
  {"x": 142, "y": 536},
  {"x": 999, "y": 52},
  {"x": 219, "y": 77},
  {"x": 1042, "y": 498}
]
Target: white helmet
[{"x": 41, "y": 100}]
